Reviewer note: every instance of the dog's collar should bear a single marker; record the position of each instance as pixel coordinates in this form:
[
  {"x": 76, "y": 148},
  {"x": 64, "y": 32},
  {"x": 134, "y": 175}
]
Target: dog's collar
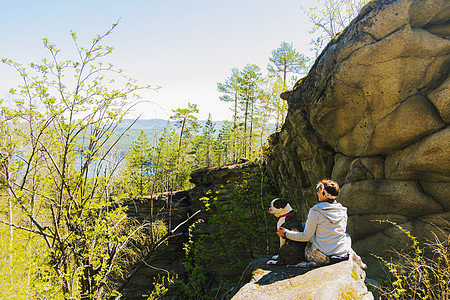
[{"x": 288, "y": 214}]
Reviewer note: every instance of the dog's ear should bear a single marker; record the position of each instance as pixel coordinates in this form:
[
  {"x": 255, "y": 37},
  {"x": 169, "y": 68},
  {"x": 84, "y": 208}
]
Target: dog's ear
[{"x": 279, "y": 203}]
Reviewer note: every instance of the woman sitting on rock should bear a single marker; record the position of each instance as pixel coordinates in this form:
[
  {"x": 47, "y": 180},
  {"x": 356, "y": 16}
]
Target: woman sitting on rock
[{"x": 325, "y": 230}]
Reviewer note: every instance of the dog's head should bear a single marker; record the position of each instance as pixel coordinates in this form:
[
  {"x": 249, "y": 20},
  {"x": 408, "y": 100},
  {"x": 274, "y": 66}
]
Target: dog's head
[{"x": 278, "y": 207}]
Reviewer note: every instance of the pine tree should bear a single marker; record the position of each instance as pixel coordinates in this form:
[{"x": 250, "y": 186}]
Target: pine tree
[
  {"x": 285, "y": 60},
  {"x": 230, "y": 93},
  {"x": 250, "y": 81},
  {"x": 208, "y": 140},
  {"x": 139, "y": 160},
  {"x": 186, "y": 120}
]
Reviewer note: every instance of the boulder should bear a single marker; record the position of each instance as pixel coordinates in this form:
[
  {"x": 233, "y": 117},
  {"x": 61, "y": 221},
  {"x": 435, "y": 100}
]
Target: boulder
[
  {"x": 396, "y": 130},
  {"x": 384, "y": 242},
  {"x": 344, "y": 280},
  {"x": 170, "y": 255},
  {"x": 387, "y": 197},
  {"x": 216, "y": 176},
  {"x": 440, "y": 191},
  {"x": 429, "y": 230},
  {"x": 439, "y": 97},
  {"x": 361, "y": 226},
  {"x": 425, "y": 160},
  {"x": 175, "y": 208},
  {"x": 341, "y": 168},
  {"x": 373, "y": 114},
  {"x": 365, "y": 168}
]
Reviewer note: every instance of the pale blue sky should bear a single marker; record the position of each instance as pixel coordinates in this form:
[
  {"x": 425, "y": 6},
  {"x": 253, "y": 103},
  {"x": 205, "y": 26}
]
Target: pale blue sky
[{"x": 185, "y": 47}]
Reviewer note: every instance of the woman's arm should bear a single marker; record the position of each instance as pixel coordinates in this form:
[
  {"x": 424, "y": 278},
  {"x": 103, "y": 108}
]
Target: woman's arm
[{"x": 308, "y": 232}]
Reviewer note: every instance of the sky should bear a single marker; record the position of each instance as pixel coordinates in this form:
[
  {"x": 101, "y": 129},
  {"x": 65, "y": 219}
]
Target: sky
[{"x": 185, "y": 47}]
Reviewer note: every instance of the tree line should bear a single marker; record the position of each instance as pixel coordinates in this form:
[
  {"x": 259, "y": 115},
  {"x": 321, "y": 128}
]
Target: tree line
[{"x": 255, "y": 101}]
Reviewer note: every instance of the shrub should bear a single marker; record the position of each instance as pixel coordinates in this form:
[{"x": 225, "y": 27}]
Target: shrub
[
  {"x": 414, "y": 275},
  {"x": 236, "y": 233}
]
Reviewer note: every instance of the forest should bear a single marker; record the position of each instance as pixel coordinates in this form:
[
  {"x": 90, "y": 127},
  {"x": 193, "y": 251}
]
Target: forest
[{"x": 64, "y": 175}]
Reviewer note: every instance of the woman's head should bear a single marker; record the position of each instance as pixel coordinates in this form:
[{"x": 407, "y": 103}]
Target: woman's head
[{"x": 327, "y": 189}]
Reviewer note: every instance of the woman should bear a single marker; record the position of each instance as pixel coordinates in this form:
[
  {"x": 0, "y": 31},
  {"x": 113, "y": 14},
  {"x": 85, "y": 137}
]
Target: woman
[{"x": 325, "y": 229}]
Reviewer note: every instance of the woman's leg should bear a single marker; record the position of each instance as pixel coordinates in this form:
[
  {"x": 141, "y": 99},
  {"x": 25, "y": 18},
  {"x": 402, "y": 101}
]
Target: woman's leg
[
  {"x": 357, "y": 259},
  {"x": 313, "y": 254},
  {"x": 353, "y": 256}
]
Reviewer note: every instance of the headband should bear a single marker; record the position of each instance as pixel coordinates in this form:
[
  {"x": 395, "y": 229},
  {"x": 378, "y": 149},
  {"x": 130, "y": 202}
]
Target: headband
[{"x": 322, "y": 189}]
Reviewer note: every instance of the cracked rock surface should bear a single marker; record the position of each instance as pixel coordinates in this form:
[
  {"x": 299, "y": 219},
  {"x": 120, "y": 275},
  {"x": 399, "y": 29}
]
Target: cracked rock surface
[{"x": 373, "y": 114}]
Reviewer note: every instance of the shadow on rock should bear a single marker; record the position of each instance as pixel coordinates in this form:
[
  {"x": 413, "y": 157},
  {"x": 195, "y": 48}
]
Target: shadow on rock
[{"x": 344, "y": 280}]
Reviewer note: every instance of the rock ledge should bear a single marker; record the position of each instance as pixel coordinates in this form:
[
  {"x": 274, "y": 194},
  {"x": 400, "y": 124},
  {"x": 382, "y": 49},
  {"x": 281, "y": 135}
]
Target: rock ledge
[{"x": 344, "y": 280}]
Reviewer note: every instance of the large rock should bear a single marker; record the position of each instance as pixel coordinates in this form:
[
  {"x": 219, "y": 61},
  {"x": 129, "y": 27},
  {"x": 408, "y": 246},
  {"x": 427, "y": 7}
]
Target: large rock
[
  {"x": 426, "y": 160},
  {"x": 387, "y": 196},
  {"x": 373, "y": 113},
  {"x": 344, "y": 280},
  {"x": 218, "y": 175},
  {"x": 170, "y": 256},
  {"x": 430, "y": 229},
  {"x": 439, "y": 97},
  {"x": 439, "y": 191}
]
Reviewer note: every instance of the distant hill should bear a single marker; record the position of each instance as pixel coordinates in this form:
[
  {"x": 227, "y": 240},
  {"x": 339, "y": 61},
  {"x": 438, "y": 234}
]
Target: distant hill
[
  {"x": 159, "y": 124},
  {"x": 152, "y": 128}
]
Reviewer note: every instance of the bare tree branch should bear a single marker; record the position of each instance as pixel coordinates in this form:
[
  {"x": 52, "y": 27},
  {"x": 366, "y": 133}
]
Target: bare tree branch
[{"x": 26, "y": 229}]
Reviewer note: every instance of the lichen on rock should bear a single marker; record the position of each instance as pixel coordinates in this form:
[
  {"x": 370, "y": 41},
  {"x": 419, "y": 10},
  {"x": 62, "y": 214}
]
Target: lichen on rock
[{"x": 344, "y": 280}]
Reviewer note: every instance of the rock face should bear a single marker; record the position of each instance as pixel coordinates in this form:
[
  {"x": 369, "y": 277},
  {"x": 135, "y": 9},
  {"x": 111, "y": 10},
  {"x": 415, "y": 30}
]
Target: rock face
[
  {"x": 373, "y": 114},
  {"x": 344, "y": 280},
  {"x": 169, "y": 256}
]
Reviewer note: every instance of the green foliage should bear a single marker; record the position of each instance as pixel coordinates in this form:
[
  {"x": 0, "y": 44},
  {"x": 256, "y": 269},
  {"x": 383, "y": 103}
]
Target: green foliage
[
  {"x": 170, "y": 174},
  {"x": 416, "y": 276},
  {"x": 58, "y": 175},
  {"x": 229, "y": 93},
  {"x": 223, "y": 144},
  {"x": 195, "y": 287},
  {"x": 256, "y": 100},
  {"x": 236, "y": 233},
  {"x": 204, "y": 148},
  {"x": 286, "y": 60},
  {"x": 247, "y": 86},
  {"x": 186, "y": 120},
  {"x": 24, "y": 269},
  {"x": 167, "y": 165},
  {"x": 139, "y": 167},
  {"x": 161, "y": 286}
]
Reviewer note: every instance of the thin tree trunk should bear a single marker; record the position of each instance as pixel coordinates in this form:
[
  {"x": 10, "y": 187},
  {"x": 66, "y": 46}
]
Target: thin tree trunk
[
  {"x": 235, "y": 127},
  {"x": 11, "y": 237},
  {"x": 251, "y": 131},
  {"x": 10, "y": 214},
  {"x": 245, "y": 128}
]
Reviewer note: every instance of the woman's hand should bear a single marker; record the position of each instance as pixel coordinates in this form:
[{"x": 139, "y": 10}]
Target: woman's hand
[{"x": 281, "y": 233}]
